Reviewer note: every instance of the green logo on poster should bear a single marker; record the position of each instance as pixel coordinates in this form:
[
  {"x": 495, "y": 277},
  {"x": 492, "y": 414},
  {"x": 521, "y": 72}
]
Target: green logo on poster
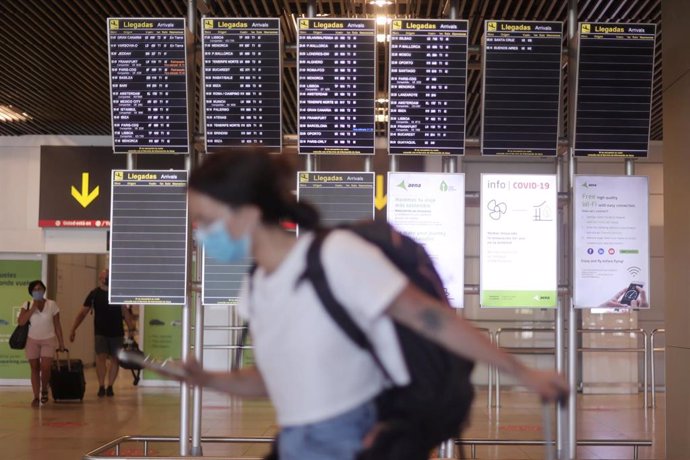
[
  {"x": 402, "y": 185},
  {"x": 444, "y": 186}
]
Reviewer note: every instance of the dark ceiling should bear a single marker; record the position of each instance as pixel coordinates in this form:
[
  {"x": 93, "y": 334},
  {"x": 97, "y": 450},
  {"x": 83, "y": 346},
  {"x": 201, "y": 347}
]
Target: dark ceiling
[{"x": 54, "y": 67}]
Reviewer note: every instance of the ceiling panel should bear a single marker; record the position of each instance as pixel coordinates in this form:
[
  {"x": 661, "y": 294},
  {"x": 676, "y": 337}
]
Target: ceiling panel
[{"x": 54, "y": 64}]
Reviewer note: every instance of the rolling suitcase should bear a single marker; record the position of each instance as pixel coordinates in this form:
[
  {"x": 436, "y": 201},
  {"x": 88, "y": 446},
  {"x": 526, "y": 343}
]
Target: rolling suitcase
[{"x": 67, "y": 378}]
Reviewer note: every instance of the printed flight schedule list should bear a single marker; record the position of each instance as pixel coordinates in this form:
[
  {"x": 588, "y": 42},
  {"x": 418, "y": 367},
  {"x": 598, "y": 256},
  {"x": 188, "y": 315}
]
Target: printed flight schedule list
[
  {"x": 337, "y": 86},
  {"x": 428, "y": 76},
  {"x": 242, "y": 83},
  {"x": 148, "y": 85},
  {"x": 521, "y": 88}
]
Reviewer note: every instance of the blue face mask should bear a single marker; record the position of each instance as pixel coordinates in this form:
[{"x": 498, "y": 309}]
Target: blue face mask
[
  {"x": 220, "y": 245},
  {"x": 37, "y": 295}
]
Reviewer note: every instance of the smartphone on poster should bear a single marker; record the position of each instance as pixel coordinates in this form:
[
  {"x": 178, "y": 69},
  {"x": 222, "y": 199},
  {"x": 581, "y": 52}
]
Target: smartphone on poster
[{"x": 631, "y": 293}]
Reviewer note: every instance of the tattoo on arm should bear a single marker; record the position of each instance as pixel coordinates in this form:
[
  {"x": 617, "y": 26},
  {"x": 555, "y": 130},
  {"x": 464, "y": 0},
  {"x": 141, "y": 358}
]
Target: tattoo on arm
[{"x": 431, "y": 319}]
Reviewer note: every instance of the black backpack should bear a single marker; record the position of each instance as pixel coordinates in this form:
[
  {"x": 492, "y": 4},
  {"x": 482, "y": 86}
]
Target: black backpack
[
  {"x": 131, "y": 346},
  {"x": 434, "y": 406}
]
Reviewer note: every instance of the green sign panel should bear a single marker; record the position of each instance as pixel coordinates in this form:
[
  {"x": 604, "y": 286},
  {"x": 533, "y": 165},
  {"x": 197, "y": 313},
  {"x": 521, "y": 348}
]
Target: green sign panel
[
  {"x": 15, "y": 276},
  {"x": 162, "y": 334}
]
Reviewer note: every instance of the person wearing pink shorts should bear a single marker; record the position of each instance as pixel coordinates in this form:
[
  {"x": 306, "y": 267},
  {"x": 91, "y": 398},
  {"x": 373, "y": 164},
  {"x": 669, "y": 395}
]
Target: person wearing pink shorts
[{"x": 45, "y": 335}]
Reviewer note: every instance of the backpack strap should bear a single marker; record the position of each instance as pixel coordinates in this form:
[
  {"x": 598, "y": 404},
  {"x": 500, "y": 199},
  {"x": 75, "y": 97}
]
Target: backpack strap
[{"x": 317, "y": 276}]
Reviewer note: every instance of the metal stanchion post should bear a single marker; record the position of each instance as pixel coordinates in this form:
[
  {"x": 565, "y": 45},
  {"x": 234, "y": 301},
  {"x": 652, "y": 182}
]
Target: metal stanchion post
[
  {"x": 646, "y": 368},
  {"x": 490, "y": 377},
  {"x": 190, "y": 162},
  {"x": 572, "y": 170}
]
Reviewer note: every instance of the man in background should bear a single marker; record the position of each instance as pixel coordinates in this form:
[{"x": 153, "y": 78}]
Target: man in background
[{"x": 109, "y": 332}]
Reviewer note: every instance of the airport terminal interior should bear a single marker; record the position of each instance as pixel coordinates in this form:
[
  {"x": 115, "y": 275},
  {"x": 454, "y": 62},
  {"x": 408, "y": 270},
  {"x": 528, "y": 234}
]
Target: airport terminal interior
[{"x": 535, "y": 149}]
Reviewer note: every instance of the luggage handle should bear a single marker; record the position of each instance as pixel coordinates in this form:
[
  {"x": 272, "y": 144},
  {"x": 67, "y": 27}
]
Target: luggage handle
[{"x": 57, "y": 358}]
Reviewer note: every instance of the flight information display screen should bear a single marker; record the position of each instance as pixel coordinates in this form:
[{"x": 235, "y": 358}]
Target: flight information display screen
[
  {"x": 242, "y": 68},
  {"x": 148, "y": 237},
  {"x": 522, "y": 87},
  {"x": 614, "y": 89},
  {"x": 428, "y": 81},
  {"x": 221, "y": 281},
  {"x": 148, "y": 85},
  {"x": 340, "y": 197},
  {"x": 336, "y": 71}
]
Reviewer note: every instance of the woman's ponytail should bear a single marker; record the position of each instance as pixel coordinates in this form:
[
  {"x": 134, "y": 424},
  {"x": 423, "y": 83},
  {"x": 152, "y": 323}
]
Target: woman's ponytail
[
  {"x": 254, "y": 177},
  {"x": 302, "y": 214}
]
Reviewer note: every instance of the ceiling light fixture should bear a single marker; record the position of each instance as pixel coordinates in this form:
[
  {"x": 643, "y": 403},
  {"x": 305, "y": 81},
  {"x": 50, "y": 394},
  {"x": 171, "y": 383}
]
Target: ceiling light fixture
[
  {"x": 381, "y": 2},
  {"x": 10, "y": 114}
]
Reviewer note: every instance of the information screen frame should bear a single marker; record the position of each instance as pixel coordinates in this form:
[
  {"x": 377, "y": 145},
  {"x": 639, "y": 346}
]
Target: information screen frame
[
  {"x": 304, "y": 24},
  {"x": 115, "y": 22},
  {"x": 541, "y": 209},
  {"x": 587, "y": 193},
  {"x": 417, "y": 150},
  {"x": 279, "y": 147},
  {"x": 517, "y": 33},
  {"x": 599, "y": 153},
  {"x": 124, "y": 175},
  {"x": 232, "y": 301},
  {"x": 449, "y": 258},
  {"x": 331, "y": 177}
]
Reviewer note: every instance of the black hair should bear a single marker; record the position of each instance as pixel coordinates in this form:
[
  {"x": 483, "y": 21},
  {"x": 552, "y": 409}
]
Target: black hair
[
  {"x": 35, "y": 283},
  {"x": 254, "y": 177}
]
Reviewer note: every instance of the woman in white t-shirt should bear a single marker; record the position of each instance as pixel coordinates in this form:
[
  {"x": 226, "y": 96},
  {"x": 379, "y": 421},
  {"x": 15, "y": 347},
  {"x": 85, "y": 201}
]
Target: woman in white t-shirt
[
  {"x": 45, "y": 336},
  {"x": 321, "y": 384}
]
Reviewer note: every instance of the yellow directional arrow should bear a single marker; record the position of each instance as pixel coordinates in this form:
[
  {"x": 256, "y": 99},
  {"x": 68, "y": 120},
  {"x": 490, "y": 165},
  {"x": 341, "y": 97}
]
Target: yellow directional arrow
[
  {"x": 380, "y": 200},
  {"x": 84, "y": 198}
]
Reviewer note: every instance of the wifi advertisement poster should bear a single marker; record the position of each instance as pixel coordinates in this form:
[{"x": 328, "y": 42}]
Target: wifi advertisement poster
[
  {"x": 518, "y": 241},
  {"x": 611, "y": 242},
  {"x": 430, "y": 208}
]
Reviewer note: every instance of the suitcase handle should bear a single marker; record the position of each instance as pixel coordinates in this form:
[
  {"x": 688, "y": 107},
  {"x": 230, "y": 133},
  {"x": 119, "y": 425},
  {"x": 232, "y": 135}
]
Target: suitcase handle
[{"x": 57, "y": 357}]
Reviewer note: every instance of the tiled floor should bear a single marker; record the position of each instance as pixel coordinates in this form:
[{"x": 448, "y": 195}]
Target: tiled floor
[{"x": 66, "y": 431}]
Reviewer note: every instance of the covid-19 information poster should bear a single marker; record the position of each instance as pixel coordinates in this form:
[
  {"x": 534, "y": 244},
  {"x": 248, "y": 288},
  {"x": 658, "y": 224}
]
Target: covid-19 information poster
[
  {"x": 518, "y": 247},
  {"x": 15, "y": 276},
  {"x": 611, "y": 249},
  {"x": 430, "y": 208}
]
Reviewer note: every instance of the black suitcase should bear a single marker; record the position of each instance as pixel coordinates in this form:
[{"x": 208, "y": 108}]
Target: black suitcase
[{"x": 67, "y": 380}]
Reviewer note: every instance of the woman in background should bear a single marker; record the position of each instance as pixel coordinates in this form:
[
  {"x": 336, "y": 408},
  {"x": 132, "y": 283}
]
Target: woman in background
[{"x": 45, "y": 335}]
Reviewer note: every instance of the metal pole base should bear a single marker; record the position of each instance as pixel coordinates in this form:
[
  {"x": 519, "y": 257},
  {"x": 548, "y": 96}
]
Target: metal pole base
[{"x": 448, "y": 450}]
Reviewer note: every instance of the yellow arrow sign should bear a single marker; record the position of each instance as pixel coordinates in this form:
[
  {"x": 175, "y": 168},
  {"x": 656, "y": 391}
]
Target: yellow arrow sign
[
  {"x": 84, "y": 198},
  {"x": 380, "y": 200}
]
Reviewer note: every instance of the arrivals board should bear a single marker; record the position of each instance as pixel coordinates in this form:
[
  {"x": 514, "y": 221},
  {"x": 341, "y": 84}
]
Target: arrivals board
[
  {"x": 522, "y": 87},
  {"x": 336, "y": 73},
  {"x": 428, "y": 81},
  {"x": 148, "y": 85},
  {"x": 518, "y": 241},
  {"x": 221, "y": 281},
  {"x": 242, "y": 68},
  {"x": 340, "y": 197},
  {"x": 614, "y": 89},
  {"x": 430, "y": 208},
  {"x": 148, "y": 239}
]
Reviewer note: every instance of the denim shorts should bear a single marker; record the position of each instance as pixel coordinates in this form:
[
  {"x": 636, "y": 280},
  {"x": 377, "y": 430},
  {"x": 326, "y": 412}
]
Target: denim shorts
[{"x": 338, "y": 438}]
